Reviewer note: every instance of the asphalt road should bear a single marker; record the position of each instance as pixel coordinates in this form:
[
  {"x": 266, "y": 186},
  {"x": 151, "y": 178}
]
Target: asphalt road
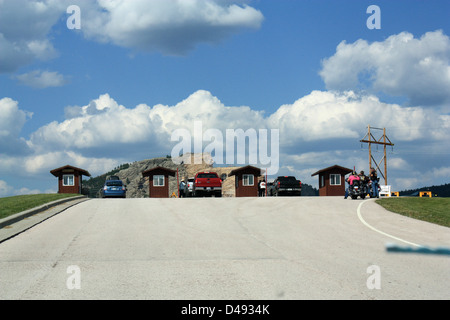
[{"x": 219, "y": 248}]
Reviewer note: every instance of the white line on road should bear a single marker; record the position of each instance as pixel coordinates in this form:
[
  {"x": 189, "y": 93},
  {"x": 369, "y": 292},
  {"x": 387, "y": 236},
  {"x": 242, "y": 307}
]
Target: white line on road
[{"x": 381, "y": 232}]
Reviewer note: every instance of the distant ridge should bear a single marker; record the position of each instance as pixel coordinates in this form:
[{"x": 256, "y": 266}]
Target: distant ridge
[{"x": 440, "y": 191}]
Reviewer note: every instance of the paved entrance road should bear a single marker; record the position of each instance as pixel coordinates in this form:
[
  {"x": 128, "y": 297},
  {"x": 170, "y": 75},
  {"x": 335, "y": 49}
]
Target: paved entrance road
[{"x": 259, "y": 248}]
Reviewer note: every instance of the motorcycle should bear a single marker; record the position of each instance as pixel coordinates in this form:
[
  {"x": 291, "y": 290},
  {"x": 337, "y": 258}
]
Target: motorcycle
[{"x": 358, "y": 189}]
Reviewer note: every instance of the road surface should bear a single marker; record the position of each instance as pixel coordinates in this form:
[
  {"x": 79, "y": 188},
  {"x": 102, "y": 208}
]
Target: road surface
[{"x": 224, "y": 248}]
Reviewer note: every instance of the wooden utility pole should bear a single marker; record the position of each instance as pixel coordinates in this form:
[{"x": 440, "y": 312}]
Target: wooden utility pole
[{"x": 384, "y": 141}]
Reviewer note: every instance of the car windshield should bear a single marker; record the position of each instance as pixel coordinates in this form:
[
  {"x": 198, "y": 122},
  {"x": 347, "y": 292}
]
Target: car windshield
[
  {"x": 207, "y": 175},
  {"x": 115, "y": 183}
]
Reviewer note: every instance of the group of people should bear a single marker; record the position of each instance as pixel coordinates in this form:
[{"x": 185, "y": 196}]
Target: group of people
[{"x": 372, "y": 179}]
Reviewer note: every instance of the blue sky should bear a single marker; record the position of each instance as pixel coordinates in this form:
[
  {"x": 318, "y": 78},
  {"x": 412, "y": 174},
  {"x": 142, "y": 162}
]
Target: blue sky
[{"x": 311, "y": 69}]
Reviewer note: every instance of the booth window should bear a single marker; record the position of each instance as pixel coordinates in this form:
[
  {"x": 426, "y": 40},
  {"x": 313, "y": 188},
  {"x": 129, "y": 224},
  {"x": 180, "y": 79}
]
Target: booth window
[
  {"x": 335, "y": 179},
  {"x": 158, "y": 181},
  {"x": 68, "y": 180},
  {"x": 248, "y": 180}
]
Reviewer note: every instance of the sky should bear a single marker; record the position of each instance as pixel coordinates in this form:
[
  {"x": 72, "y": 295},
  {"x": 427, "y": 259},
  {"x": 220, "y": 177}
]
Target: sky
[{"x": 95, "y": 84}]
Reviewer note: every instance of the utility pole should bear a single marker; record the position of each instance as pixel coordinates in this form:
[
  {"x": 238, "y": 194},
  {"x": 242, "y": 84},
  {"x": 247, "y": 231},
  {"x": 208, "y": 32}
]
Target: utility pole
[{"x": 384, "y": 141}]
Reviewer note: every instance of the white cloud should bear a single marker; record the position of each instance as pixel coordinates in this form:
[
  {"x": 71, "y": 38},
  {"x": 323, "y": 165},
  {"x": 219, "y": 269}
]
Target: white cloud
[
  {"x": 44, "y": 162},
  {"x": 170, "y": 26},
  {"x": 42, "y": 79},
  {"x": 103, "y": 123},
  {"x": 317, "y": 131},
  {"x": 401, "y": 65},
  {"x": 24, "y": 26},
  {"x": 423, "y": 178},
  {"x": 332, "y": 115},
  {"x": 203, "y": 106},
  {"x": 7, "y": 191},
  {"x": 12, "y": 120}
]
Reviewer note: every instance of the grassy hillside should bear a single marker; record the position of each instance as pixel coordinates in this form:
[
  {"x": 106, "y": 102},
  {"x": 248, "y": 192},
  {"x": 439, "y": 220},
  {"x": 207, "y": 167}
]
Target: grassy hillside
[
  {"x": 16, "y": 204},
  {"x": 434, "y": 210}
]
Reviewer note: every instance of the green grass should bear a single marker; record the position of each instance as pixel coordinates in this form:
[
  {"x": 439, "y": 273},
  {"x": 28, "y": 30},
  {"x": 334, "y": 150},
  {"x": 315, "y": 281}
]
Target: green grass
[
  {"x": 434, "y": 210},
  {"x": 16, "y": 204}
]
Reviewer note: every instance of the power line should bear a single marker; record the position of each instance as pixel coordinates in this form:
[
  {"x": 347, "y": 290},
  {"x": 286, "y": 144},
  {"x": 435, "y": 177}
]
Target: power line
[{"x": 370, "y": 139}]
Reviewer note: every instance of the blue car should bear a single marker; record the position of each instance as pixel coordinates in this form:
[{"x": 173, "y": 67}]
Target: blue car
[{"x": 114, "y": 189}]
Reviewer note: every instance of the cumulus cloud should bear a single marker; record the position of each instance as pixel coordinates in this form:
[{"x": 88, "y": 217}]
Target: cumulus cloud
[
  {"x": 325, "y": 115},
  {"x": 172, "y": 27},
  {"x": 104, "y": 124},
  {"x": 44, "y": 162},
  {"x": 24, "y": 27},
  {"x": 6, "y": 190},
  {"x": 401, "y": 65},
  {"x": 203, "y": 106},
  {"x": 12, "y": 120},
  {"x": 316, "y": 131},
  {"x": 42, "y": 79}
]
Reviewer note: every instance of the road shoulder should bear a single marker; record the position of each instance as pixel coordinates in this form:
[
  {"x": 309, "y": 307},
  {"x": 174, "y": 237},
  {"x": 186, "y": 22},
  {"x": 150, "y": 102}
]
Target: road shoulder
[{"x": 20, "y": 222}]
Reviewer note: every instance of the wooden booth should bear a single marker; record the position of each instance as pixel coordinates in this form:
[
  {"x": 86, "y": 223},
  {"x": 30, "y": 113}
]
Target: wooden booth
[
  {"x": 69, "y": 179},
  {"x": 246, "y": 181},
  {"x": 159, "y": 181},
  {"x": 332, "y": 180}
]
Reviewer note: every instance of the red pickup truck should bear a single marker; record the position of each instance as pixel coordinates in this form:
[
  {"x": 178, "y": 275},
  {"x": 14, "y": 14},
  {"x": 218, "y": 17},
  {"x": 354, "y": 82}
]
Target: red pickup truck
[{"x": 207, "y": 183}]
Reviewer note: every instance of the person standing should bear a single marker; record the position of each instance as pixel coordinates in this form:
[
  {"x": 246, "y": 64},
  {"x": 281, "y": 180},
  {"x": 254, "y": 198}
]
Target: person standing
[
  {"x": 262, "y": 188},
  {"x": 374, "y": 182},
  {"x": 182, "y": 189}
]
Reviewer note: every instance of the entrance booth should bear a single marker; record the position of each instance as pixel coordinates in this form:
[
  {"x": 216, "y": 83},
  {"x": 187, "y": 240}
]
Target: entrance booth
[
  {"x": 69, "y": 179},
  {"x": 246, "y": 178},
  {"x": 159, "y": 181},
  {"x": 332, "y": 180}
]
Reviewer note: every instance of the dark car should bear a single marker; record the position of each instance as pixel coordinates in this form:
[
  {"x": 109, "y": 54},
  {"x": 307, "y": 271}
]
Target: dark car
[
  {"x": 114, "y": 189},
  {"x": 285, "y": 185}
]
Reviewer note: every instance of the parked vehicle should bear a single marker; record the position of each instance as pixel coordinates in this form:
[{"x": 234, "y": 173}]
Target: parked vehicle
[
  {"x": 358, "y": 189},
  {"x": 114, "y": 189},
  {"x": 189, "y": 191},
  {"x": 207, "y": 183},
  {"x": 285, "y": 185}
]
